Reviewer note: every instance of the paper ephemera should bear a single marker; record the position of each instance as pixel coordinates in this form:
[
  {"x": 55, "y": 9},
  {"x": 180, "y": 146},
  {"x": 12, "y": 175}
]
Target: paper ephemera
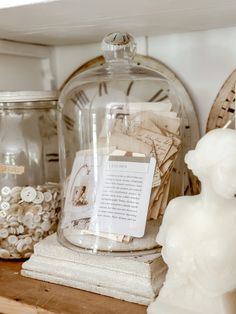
[
  {"x": 153, "y": 131},
  {"x": 145, "y": 130},
  {"x": 81, "y": 185}
]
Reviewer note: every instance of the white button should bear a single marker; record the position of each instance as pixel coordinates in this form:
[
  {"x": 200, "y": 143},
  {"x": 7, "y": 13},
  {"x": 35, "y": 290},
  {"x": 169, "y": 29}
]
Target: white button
[
  {"x": 28, "y": 194},
  {"x": 27, "y": 255},
  {"x": 47, "y": 196},
  {"x": 39, "y": 198},
  {"x": 38, "y": 232},
  {"x": 4, "y": 205},
  {"x": 37, "y": 218},
  {"x": 46, "y": 225},
  {"x": 46, "y": 216},
  {"x": 38, "y": 208},
  {"x": 47, "y": 207},
  {"x": 12, "y": 239},
  {"x": 20, "y": 246},
  {"x": 3, "y": 214},
  {"x": 4, "y": 253},
  {"x": 20, "y": 218},
  {"x": 28, "y": 219},
  {"x": 55, "y": 195},
  {"x": 20, "y": 229},
  {"x": 15, "y": 190},
  {"x": 28, "y": 240},
  {"x": 5, "y": 191},
  {"x": 4, "y": 233},
  {"x": 6, "y": 198},
  {"x": 52, "y": 213}
]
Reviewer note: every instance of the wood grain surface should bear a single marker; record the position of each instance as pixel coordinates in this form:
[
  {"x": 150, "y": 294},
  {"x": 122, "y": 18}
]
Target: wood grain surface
[
  {"x": 20, "y": 295},
  {"x": 223, "y": 108}
]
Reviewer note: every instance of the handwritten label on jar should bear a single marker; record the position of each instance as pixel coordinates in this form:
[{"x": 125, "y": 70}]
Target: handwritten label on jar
[
  {"x": 12, "y": 169},
  {"x": 123, "y": 195}
]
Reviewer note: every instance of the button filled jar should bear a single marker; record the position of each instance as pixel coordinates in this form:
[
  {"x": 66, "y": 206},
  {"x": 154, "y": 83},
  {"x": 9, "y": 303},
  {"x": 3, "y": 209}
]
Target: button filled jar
[
  {"x": 29, "y": 189},
  {"x": 120, "y": 128}
]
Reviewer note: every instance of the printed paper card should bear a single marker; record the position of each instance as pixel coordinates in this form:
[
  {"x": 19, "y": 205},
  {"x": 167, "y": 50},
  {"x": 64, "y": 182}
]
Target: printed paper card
[
  {"x": 81, "y": 188},
  {"x": 122, "y": 199}
]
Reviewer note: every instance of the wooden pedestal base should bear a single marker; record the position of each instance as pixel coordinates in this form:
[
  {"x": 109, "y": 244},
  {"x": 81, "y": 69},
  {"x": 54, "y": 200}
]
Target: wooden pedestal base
[{"x": 136, "y": 279}]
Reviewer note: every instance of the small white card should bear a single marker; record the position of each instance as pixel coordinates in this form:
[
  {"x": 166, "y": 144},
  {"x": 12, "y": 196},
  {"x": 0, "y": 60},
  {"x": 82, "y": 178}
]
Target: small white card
[
  {"x": 80, "y": 191},
  {"x": 122, "y": 199}
]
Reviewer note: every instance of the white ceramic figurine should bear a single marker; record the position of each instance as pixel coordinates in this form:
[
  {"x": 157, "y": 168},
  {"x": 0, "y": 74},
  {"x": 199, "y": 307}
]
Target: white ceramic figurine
[{"x": 198, "y": 234}]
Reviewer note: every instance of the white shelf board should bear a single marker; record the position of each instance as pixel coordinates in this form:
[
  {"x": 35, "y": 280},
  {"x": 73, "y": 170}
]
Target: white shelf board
[{"x": 82, "y": 21}]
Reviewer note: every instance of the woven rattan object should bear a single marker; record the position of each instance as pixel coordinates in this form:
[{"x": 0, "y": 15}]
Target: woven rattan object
[{"x": 223, "y": 109}]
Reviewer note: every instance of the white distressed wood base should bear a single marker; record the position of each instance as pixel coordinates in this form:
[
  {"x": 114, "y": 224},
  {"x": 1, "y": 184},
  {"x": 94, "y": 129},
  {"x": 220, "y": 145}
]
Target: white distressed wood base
[{"x": 134, "y": 279}]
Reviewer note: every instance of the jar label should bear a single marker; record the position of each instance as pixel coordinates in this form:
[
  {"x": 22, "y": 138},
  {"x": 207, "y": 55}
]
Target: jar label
[{"x": 12, "y": 169}]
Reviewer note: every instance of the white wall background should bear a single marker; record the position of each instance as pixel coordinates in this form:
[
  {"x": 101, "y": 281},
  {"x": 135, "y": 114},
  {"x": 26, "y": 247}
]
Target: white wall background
[
  {"x": 203, "y": 60},
  {"x": 20, "y": 73}
]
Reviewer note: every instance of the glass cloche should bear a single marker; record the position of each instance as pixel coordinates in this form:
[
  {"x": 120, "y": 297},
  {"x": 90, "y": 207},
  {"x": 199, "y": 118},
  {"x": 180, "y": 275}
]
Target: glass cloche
[
  {"x": 29, "y": 171},
  {"x": 120, "y": 131}
]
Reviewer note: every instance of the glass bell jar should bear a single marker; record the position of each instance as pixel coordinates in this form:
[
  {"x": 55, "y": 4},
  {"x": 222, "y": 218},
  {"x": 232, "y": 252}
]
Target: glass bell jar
[
  {"x": 120, "y": 130},
  {"x": 29, "y": 172}
]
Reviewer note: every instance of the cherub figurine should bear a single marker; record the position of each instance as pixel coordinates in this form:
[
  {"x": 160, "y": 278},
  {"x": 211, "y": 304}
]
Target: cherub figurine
[{"x": 198, "y": 234}]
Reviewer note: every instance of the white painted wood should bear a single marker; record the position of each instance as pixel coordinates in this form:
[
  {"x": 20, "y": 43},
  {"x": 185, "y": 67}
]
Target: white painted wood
[
  {"x": 25, "y": 67},
  {"x": 84, "y": 21},
  {"x": 23, "y": 50},
  {"x": 202, "y": 60},
  {"x": 19, "y": 73},
  {"x": 108, "y": 291},
  {"x": 47, "y": 74},
  {"x": 137, "y": 279}
]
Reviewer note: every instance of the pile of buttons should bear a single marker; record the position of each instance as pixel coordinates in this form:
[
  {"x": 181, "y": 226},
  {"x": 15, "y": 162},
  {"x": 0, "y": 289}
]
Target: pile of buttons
[{"x": 27, "y": 215}]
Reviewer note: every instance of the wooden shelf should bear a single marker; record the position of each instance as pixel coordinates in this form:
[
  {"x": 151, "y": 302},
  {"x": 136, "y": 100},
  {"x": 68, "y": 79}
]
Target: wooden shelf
[{"x": 20, "y": 295}]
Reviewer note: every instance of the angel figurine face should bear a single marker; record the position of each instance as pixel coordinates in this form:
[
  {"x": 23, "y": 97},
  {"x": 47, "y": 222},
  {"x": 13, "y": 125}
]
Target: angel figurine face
[{"x": 198, "y": 234}]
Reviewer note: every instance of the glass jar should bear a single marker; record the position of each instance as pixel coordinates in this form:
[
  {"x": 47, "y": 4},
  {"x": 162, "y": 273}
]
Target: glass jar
[
  {"x": 29, "y": 172},
  {"x": 120, "y": 128}
]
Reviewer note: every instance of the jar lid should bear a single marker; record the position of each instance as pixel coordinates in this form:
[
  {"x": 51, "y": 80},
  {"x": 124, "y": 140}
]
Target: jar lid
[{"x": 28, "y": 96}]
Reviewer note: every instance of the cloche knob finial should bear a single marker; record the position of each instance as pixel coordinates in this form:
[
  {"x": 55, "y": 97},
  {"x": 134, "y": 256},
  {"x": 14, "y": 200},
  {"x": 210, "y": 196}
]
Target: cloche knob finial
[{"x": 118, "y": 46}]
